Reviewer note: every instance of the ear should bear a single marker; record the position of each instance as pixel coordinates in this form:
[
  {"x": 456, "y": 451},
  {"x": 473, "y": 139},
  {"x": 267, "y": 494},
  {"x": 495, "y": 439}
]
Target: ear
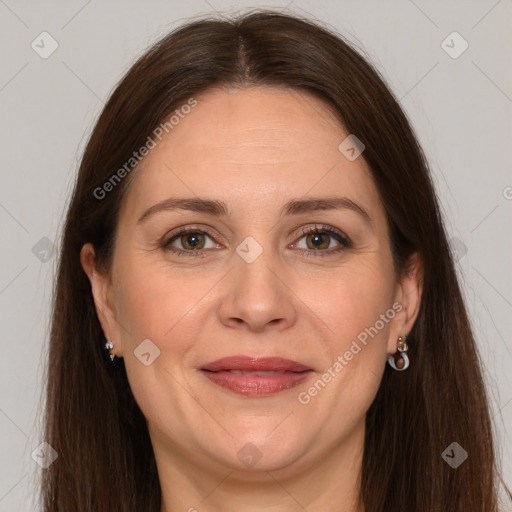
[
  {"x": 407, "y": 299},
  {"x": 101, "y": 287}
]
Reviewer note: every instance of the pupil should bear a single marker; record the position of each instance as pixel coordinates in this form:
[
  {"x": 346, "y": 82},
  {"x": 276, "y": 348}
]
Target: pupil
[
  {"x": 193, "y": 240},
  {"x": 317, "y": 240}
]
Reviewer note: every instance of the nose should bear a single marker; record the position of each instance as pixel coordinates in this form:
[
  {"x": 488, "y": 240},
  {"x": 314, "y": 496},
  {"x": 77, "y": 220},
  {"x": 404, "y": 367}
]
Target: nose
[{"x": 258, "y": 295}]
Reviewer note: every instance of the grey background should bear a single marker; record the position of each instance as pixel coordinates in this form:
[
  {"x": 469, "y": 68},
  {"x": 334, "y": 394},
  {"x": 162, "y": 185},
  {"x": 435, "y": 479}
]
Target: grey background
[{"x": 459, "y": 107}]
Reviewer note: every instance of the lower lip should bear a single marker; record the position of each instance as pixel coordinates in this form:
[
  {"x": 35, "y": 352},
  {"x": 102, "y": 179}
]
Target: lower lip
[{"x": 256, "y": 385}]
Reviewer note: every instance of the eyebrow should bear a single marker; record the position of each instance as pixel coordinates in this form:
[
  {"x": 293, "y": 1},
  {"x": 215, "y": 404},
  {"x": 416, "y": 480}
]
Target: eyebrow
[{"x": 220, "y": 208}]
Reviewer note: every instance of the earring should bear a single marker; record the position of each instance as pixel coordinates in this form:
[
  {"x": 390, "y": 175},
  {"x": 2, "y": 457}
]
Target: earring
[
  {"x": 403, "y": 362},
  {"x": 109, "y": 345}
]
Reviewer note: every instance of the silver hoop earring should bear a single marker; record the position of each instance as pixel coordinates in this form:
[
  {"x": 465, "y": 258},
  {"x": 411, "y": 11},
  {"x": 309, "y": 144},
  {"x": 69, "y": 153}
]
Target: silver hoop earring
[
  {"x": 403, "y": 362},
  {"x": 109, "y": 345}
]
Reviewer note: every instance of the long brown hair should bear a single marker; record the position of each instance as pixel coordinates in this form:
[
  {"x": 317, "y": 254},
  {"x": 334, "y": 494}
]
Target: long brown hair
[{"x": 105, "y": 458}]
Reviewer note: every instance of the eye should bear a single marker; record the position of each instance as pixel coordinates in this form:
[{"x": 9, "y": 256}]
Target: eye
[
  {"x": 319, "y": 241},
  {"x": 190, "y": 242},
  {"x": 323, "y": 240}
]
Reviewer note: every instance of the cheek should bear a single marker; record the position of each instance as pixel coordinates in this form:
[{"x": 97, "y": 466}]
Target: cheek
[
  {"x": 152, "y": 301},
  {"x": 353, "y": 348},
  {"x": 154, "y": 305},
  {"x": 351, "y": 302},
  {"x": 356, "y": 310}
]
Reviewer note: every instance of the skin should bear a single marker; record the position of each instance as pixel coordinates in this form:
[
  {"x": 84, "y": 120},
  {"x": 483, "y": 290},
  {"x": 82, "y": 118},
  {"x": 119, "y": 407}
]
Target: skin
[{"x": 255, "y": 149}]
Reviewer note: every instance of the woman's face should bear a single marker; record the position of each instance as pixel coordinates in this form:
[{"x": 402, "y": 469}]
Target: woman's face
[{"x": 248, "y": 281}]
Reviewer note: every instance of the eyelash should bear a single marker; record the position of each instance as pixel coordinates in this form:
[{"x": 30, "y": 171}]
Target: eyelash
[{"x": 344, "y": 241}]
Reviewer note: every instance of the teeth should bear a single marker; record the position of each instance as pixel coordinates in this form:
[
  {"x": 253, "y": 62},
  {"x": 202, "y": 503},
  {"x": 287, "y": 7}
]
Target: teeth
[{"x": 260, "y": 373}]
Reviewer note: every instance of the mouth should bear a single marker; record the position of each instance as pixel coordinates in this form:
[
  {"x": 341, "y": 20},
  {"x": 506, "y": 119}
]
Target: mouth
[{"x": 256, "y": 377}]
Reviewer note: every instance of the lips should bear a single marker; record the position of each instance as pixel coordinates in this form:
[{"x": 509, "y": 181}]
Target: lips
[
  {"x": 256, "y": 377},
  {"x": 254, "y": 364}
]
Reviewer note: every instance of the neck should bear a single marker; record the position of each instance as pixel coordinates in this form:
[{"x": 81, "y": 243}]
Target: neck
[{"x": 326, "y": 481}]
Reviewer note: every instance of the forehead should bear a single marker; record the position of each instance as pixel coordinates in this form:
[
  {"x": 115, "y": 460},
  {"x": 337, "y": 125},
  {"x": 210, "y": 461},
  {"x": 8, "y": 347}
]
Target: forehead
[
  {"x": 263, "y": 122},
  {"x": 252, "y": 147}
]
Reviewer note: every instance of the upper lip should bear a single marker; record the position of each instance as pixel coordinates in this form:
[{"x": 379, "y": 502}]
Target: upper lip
[{"x": 248, "y": 363}]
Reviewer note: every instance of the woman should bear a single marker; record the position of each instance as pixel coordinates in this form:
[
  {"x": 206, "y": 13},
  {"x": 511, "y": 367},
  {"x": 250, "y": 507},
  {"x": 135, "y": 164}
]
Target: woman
[{"x": 253, "y": 235}]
